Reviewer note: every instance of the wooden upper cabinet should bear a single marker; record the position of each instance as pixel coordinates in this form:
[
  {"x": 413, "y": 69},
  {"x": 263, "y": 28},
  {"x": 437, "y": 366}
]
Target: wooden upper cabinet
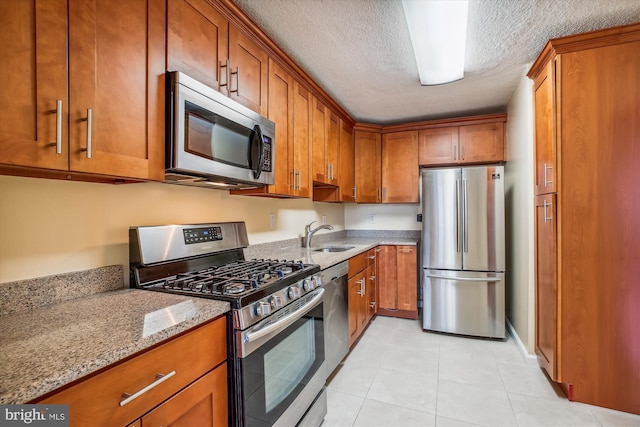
[
  {"x": 302, "y": 111},
  {"x": 281, "y": 113},
  {"x": 467, "y": 143},
  {"x": 249, "y": 72},
  {"x": 544, "y": 131},
  {"x": 197, "y": 41},
  {"x": 400, "y": 168},
  {"x": 112, "y": 124},
  {"x": 116, "y": 67},
  {"x": 346, "y": 178},
  {"x": 34, "y": 82},
  {"x": 482, "y": 143},
  {"x": 438, "y": 146},
  {"x": 368, "y": 146},
  {"x": 202, "y": 43}
]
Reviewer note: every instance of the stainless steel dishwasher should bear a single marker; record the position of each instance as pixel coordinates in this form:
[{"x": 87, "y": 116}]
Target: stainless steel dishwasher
[{"x": 336, "y": 314}]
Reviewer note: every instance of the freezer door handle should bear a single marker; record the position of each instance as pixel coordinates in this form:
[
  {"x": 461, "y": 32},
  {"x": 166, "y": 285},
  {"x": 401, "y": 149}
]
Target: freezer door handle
[
  {"x": 458, "y": 234},
  {"x": 465, "y": 279}
]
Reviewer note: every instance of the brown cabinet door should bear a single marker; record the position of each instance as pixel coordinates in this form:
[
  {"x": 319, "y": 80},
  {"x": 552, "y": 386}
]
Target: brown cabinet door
[
  {"x": 197, "y": 41},
  {"x": 355, "y": 300},
  {"x": 368, "y": 163},
  {"x": 546, "y": 283},
  {"x": 400, "y": 168},
  {"x": 116, "y": 74},
  {"x": 33, "y": 54},
  {"x": 302, "y": 107},
  {"x": 438, "y": 146},
  {"x": 281, "y": 113},
  {"x": 346, "y": 178},
  {"x": 331, "y": 145},
  {"x": 406, "y": 278},
  {"x": 482, "y": 143},
  {"x": 319, "y": 135},
  {"x": 544, "y": 132},
  {"x": 249, "y": 72},
  {"x": 203, "y": 403},
  {"x": 387, "y": 289}
]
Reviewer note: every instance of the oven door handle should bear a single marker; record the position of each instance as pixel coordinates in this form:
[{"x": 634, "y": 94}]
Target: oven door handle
[{"x": 286, "y": 321}]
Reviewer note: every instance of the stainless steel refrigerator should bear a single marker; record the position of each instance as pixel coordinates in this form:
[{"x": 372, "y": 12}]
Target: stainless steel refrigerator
[{"x": 463, "y": 250}]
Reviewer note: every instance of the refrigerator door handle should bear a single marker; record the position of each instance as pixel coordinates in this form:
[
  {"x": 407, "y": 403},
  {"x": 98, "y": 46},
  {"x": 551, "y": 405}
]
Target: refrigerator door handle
[
  {"x": 465, "y": 243},
  {"x": 465, "y": 279},
  {"x": 458, "y": 234}
]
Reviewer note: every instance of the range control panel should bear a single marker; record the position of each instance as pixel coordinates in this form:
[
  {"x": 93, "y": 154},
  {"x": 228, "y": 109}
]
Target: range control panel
[{"x": 200, "y": 235}]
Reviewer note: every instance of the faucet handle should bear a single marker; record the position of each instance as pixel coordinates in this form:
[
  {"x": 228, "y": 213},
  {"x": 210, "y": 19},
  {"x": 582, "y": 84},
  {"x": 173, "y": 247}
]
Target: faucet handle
[{"x": 308, "y": 226}]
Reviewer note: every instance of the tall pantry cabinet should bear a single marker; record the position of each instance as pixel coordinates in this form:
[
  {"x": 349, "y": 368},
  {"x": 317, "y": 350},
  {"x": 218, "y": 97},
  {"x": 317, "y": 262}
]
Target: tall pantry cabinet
[{"x": 587, "y": 215}]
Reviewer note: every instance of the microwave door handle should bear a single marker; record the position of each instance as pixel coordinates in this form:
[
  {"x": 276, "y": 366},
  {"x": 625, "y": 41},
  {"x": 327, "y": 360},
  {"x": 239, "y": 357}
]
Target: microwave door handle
[{"x": 256, "y": 163}]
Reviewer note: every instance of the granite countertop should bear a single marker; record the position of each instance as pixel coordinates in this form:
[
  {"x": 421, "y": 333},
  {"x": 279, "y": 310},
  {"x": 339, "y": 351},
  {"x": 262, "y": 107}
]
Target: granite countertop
[
  {"x": 50, "y": 346},
  {"x": 327, "y": 259}
]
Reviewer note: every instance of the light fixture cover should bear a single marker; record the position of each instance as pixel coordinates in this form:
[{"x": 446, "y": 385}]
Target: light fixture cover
[{"x": 438, "y": 30}]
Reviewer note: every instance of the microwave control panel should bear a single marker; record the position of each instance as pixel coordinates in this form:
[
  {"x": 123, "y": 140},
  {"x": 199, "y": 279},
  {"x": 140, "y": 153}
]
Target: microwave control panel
[
  {"x": 201, "y": 235},
  {"x": 266, "y": 154}
]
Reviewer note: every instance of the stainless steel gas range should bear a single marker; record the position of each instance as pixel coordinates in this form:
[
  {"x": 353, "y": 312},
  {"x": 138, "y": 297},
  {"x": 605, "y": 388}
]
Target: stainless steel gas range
[{"x": 276, "y": 338}]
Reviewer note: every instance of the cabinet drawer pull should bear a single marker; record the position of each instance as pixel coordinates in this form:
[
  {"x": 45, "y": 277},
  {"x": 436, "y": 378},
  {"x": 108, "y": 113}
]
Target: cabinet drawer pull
[
  {"x": 372, "y": 257},
  {"x": 160, "y": 378},
  {"x": 378, "y": 250},
  {"x": 406, "y": 250},
  {"x": 89, "y": 121}
]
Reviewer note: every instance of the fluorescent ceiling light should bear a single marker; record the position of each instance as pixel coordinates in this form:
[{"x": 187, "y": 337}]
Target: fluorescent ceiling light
[{"x": 438, "y": 30}]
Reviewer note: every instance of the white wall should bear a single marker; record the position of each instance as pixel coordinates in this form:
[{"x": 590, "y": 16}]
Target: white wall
[
  {"x": 49, "y": 226},
  {"x": 386, "y": 217},
  {"x": 519, "y": 209}
]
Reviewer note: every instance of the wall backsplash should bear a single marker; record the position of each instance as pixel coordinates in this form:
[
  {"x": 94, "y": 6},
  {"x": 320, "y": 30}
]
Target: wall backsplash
[{"x": 49, "y": 227}]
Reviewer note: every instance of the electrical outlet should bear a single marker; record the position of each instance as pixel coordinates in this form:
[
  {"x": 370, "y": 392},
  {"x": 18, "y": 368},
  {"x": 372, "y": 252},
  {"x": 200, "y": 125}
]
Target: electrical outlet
[
  {"x": 324, "y": 219},
  {"x": 372, "y": 218},
  {"x": 272, "y": 221}
]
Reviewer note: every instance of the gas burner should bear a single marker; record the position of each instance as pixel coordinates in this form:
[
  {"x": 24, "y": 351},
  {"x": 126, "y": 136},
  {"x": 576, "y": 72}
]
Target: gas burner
[{"x": 233, "y": 289}]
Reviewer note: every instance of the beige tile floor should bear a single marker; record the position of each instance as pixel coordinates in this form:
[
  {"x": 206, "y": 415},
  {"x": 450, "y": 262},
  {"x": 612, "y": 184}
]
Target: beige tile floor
[{"x": 399, "y": 376}]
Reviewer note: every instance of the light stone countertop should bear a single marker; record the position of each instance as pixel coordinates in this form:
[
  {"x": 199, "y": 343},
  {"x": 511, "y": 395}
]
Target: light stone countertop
[
  {"x": 45, "y": 348},
  {"x": 326, "y": 259}
]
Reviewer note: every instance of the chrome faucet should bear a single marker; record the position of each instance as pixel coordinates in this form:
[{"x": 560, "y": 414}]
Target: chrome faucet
[{"x": 309, "y": 232}]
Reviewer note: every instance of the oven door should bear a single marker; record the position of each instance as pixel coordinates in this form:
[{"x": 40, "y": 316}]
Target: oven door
[{"x": 282, "y": 363}]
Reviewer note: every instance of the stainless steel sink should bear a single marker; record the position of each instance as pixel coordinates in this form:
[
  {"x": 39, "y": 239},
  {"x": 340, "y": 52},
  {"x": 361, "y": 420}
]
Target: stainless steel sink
[{"x": 334, "y": 249}]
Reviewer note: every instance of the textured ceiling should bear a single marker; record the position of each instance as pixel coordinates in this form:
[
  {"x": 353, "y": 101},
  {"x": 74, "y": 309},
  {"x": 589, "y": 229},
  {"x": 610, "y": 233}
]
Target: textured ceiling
[{"x": 360, "y": 53}]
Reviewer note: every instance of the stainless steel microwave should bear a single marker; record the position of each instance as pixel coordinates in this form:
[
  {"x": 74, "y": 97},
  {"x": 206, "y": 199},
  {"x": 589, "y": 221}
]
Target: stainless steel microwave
[{"x": 213, "y": 141}]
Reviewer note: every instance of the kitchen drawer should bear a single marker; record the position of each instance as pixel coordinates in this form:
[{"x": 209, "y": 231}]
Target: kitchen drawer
[
  {"x": 358, "y": 263},
  {"x": 97, "y": 400}
]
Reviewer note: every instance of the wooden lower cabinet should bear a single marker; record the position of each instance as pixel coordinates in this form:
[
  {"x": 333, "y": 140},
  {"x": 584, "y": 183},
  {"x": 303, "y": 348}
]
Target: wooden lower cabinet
[
  {"x": 357, "y": 305},
  {"x": 398, "y": 281},
  {"x": 203, "y": 403},
  {"x": 195, "y": 367}
]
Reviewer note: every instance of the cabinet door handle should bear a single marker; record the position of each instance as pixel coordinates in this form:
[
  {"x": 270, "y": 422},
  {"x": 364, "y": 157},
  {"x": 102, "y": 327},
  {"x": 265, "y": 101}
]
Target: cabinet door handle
[
  {"x": 454, "y": 152},
  {"x": 58, "y": 111},
  {"x": 545, "y": 206},
  {"x": 372, "y": 257},
  {"x": 462, "y": 152},
  {"x": 372, "y": 278},
  {"x": 160, "y": 378},
  {"x": 89, "y": 121},
  {"x": 237, "y": 73},
  {"x": 299, "y": 179},
  {"x": 354, "y": 194},
  {"x": 227, "y": 69},
  {"x": 546, "y": 181}
]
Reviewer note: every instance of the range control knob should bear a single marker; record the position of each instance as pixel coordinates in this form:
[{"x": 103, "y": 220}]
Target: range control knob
[
  {"x": 275, "y": 302},
  {"x": 308, "y": 285},
  {"x": 317, "y": 280},
  {"x": 262, "y": 308},
  {"x": 293, "y": 292}
]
